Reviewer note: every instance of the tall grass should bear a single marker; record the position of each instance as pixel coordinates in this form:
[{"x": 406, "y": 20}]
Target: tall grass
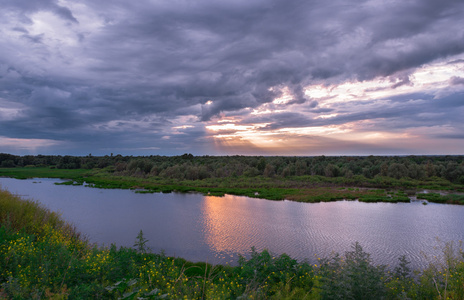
[
  {"x": 20, "y": 214},
  {"x": 42, "y": 257}
]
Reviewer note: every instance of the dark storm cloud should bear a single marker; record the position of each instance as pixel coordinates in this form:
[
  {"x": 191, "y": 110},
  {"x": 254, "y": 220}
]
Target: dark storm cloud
[
  {"x": 224, "y": 104},
  {"x": 25, "y": 7},
  {"x": 413, "y": 111},
  {"x": 280, "y": 120},
  {"x": 455, "y": 80},
  {"x": 227, "y": 52},
  {"x": 153, "y": 62}
]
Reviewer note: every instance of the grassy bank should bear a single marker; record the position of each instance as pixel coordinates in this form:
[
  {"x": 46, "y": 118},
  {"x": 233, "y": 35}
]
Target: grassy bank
[
  {"x": 308, "y": 188},
  {"x": 438, "y": 198},
  {"x": 43, "y": 172},
  {"x": 42, "y": 257}
]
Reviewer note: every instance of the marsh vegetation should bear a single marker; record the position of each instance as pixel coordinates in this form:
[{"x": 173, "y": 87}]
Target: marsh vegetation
[{"x": 304, "y": 179}]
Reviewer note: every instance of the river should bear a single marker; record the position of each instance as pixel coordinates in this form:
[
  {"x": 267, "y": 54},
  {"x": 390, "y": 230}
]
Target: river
[{"x": 218, "y": 229}]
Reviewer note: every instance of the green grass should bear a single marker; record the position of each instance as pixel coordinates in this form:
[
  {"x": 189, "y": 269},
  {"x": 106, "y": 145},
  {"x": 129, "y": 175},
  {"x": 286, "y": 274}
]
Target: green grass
[
  {"x": 43, "y": 172},
  {"x": 383, "y": 196},
  {"x": 42, "y": 257},
  {"x": 437, "y": 198}
]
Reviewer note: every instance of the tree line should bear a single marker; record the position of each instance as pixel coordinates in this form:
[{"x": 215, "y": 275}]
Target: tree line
[{"x": 190, "y": 167}]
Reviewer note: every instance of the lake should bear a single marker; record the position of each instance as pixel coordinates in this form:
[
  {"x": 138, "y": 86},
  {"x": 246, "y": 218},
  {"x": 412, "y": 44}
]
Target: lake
[{"x": 218, "y": 229}]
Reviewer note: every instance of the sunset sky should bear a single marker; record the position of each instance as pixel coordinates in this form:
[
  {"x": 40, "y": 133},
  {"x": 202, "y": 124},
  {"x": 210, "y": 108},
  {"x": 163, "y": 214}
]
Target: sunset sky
[{"x": 264, "y": 77}]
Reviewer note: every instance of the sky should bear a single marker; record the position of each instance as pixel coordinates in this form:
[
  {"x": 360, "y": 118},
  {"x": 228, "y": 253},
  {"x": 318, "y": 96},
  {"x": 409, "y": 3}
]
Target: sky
[{"x": 232, "y": 77}]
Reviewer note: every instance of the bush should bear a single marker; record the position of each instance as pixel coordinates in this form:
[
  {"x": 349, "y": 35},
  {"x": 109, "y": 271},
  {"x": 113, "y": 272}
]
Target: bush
[{"x": 352, "y": 277}]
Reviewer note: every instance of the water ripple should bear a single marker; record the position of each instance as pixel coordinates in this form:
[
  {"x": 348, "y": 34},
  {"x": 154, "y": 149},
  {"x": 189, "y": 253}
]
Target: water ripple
[{"x": 217, "y": 229}]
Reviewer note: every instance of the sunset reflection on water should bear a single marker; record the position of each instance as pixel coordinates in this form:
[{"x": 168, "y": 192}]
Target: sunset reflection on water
[
  {"x": 226, "y": 226},
  {"x": 235, "y": 224}
]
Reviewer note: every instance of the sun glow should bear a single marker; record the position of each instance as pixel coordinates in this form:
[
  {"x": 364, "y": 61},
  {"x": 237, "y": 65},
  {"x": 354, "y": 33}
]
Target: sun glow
[
  {"x": 234, "y": 127},
  {"x": 261, "y": 137}
]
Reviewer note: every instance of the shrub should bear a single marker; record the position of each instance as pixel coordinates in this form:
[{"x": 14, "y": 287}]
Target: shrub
[{"x": 352, "y": 276}]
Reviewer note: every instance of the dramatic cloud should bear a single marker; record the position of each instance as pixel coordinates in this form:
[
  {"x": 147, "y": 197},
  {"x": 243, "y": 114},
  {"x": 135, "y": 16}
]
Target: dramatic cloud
[{"x": 232, "y": 77}]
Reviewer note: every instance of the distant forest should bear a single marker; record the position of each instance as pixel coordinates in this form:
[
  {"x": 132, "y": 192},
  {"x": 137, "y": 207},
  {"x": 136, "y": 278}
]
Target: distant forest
[{"x": 191, "y": 167}]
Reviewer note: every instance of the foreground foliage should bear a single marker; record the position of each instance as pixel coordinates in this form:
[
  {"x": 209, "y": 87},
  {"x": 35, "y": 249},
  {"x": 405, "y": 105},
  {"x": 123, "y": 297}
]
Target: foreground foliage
[{"x": 41, "y": 257}]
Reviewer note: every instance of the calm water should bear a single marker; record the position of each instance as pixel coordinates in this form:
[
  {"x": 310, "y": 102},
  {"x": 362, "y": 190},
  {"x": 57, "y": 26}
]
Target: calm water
[{"x": 215, "y": 229}]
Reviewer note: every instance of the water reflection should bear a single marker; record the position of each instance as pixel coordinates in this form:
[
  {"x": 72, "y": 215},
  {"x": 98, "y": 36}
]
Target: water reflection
[{"x": 224, "y": 224}]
